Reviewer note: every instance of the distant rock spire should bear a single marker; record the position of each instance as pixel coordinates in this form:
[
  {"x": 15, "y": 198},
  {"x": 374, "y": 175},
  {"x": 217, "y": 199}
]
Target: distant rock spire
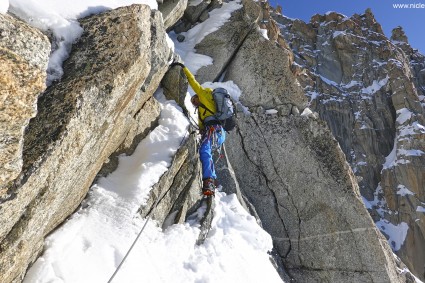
[
  {"x": 398, "y": 34},
  {"x": 371, "y": 21}
]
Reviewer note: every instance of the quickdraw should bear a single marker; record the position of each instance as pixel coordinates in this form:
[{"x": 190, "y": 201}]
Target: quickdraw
[{"x": 211, "y": 133}]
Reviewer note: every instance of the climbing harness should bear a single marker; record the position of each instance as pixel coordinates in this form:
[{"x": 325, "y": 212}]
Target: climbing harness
[{"x": 211, "y": 133}]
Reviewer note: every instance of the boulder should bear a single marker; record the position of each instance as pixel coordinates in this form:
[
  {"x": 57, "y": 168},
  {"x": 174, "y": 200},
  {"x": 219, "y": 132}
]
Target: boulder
[
  {"x": 98, "y": 105},
  {"x": 172, "y": 11},
  {"x": 25, "y": 41},
  {"x": 175, "y": 85},
  {"x": 195, "y": 9}
]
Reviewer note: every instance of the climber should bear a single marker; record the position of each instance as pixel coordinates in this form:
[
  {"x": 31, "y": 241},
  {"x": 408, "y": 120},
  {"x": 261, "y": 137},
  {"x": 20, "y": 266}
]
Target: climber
[{"x": 212, "y": 132}]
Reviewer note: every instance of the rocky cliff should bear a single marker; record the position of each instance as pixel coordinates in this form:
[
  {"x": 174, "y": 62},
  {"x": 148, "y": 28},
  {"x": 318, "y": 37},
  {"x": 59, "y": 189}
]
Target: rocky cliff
[
  {"x": 370, "y": 91},
  {"x": 286, "y": 168}
]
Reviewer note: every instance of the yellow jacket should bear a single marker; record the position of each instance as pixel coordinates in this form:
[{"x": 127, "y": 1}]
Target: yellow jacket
[{"x": 205, "y": 97}]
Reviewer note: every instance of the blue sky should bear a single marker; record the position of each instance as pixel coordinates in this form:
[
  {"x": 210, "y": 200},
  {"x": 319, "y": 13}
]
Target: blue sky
[{"x": 411, "y": 19}]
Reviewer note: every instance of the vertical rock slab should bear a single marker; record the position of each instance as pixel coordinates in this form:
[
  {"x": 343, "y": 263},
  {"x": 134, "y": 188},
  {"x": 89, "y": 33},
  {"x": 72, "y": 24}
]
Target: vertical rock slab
[
  {"x": 261, "y": 69},
  {"x": 24, "y": 53},
  {"x": 222, "y": 44},
  {"x": 293, "y": 171},
  {"x": 110, "y": 76},
  {"x": 417, "y": 60}
]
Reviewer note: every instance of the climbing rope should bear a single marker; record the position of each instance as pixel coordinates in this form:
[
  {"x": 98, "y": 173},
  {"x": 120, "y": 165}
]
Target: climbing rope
[
  {"x": 137, "y": 238},
  {"x": 161, "y": 195}
]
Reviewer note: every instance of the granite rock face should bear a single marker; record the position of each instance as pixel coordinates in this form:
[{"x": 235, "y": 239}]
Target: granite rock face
[
  {"x": 370, "y": 91},
  {"x": 222, "y": 44},
  {"x": 101, "y": 103},
  {"x": 24, "y": 55},
  {"x": 293, "y": 172}
]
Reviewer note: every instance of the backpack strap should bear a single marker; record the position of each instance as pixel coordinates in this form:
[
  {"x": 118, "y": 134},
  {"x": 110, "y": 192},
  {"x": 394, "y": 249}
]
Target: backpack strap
[
  {"x": 206, "y": 108},
  {"x": 208, "y": 119}
]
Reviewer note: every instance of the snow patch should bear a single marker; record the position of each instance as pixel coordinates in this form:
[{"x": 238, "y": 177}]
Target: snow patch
[
  {"x": 263, "y": 32},
  {"x": 307, "y": 112},
  {"x": 271, "y": 111},
  {"x": 186, "y": 49},
  {"x": 379, "y": 63},
  {"x": 313, "y": 95},
  {"x": 351, "y": 84},
  {"x": 396, "y": 233},
  {"x": 357, "y": 114},
  {"x": 403, "y": 115},
  {"x": 406, "y": 132},
  {"x": 376, "y": 86},
  {"x": 338, "y": 33},
  {"x": 367, "y": 203},
  {"x": 410, "y": 152},
  {"x": 194, "y": 2},
  {"x": 403, "y": 191},
  {"x": 4, "y": 6},
  {"x": 391, "y": 160},
  {"x": 328, "y": 81}
]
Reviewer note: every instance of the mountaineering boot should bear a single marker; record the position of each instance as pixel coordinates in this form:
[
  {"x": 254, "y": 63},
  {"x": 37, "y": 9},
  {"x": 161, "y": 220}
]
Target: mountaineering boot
[{"x": 208, "y": 187}]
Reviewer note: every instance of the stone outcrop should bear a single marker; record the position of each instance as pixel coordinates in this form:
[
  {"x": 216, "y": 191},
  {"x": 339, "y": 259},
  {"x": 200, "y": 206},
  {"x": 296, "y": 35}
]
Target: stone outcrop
[
  {"x": 196, "y": 12},
  {"x": 178, "y": 189},
  {"x": 24, "y": 55},
  {"x": 255, "y": 58},
  {"x": 417, "y": 60},
  {"x": 102, "y": 101},
  {"x": 369, "y": 90},
  {"x": 223, "y": 44}
]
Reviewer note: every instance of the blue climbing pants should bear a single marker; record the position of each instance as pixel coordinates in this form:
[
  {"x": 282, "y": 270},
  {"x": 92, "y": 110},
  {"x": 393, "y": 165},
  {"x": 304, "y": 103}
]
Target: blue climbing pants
[{"x": 211, "y": 140}]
